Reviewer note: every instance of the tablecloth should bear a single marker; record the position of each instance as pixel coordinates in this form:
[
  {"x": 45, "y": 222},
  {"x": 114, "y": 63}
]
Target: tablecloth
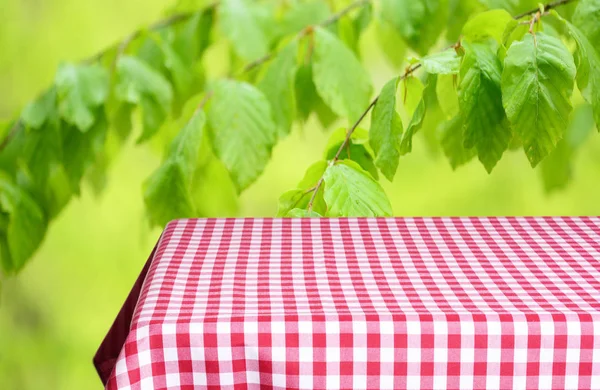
[{"x": 390, "y": 303}]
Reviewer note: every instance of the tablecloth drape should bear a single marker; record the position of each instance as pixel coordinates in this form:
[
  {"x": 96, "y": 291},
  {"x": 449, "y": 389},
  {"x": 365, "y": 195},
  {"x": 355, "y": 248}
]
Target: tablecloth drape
[{"x": 430, "y": 303}]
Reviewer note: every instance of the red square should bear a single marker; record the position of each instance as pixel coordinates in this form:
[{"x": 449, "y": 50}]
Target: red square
[
  {"x": 346, "y": 340},
  {"x": 292, "y": 340},
  {"x": 183, "y": 340},
  {"x": 454, "y": 341},
  {"x": 264, "y": 339},
  {"x": 400, "y": 369},
  {"x": 481, "y": 341},
  {"x": 210, "y": 340},
  {"x": 426, "y": 369},
  {"x": 373, "y": 341},
  {"x": 534, "y": 341},
  {"x": 507, "y": 369},
  {"x": 346, "y": 368},
  {"x": 559, "y": 368},
  {"x": 373, "y": 368},
  {"x": 585, "y": 369},
  {"x": 319, "y": 340},
  {"x": 453, "y": 369},
  {"x": 507, "y": 341},
  {"x": 533, "y": 368},
  {"x": 560, "y": 342},
  {"x": 427, "y": 340},
  {"x": 319, "y": 368},
  {"x": 587, "y": 342},
  {"x": 292, "y": 368},
  {"x": 400, "y": 340},
  {"x": 479, "y": 368}
]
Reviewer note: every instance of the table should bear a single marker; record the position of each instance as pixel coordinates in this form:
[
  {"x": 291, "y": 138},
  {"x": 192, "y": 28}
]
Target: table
[{"x": 388, "y": 303}]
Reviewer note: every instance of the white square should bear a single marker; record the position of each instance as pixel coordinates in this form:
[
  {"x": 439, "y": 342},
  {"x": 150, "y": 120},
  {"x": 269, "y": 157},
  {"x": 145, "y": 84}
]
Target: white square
[
  {"x": 172, "y": 380},
  {"x": 278, "y": 327},
  {"x": 196, "y": 328},
  {"x": 572, "y": 381},
  {"x": 226, "y": 379},
  {"x": 467, "y": 328},
  {"x": 440, "y": 355},
  {"x": 305, "y": 327},
  {"x": 573, "y": 328},
  {"x": 467, "y": 355},
  {"x": 224, "y": 354},
  {"x": 332, "y": 382},
  {"x": 360, "y": 354},
  {"x": 494, "y": 328},
  {"x": 545, "y": 382},
  {"x": 413, "y": 327},
  {"x": 521, "y": 328},
  {"x": 332, "y": 327},
  {"x": 520, "y": 355},
  {"x": 546, "y": 329},
  {"x": 147, "y": 383},
  {"x": 169, "y": 328},
  {"x": 359, "y": 382},
  {"x": 278, "y": 354},
  {"x": 120, "y": 367},
  {"x": 332, "y": 354},
  {"x": 305, "y": 354},
  {"x": 251, "y": 352},
  {"x": 414, "y": 382},
  {"x": 413, "y": 355},
  {"x": 252, "y": 377},
  {"x": 199, "y": 379},
  {"x": 440, "y": 327},
  {"x": 171, "y": 354},
  {"x": 494, "y": 355},
  {"x": 279, "y": 380},
  {"x": 144, "y": 358},
  {"x": 250, "y": 328},
  {"x": 386, "y": 382},
  {"x": 224, "y": 328},
  {"x": 466, "y": 382},
  {"x": 359, "y": 327},
  {"x": 439, "y": 382},
  {"x": 546, "y": 356},
  {"x": 306, "y": 381},
  {"x": 387, "y": 355},
  {"x": 386, "y": 327},
  {"x": 573, "y": 355}
]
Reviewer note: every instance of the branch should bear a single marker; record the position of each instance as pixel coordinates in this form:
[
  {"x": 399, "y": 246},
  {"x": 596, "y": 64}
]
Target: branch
[
  {"x": 332, "y": 19},
  {"x": 407, "y": 73}
]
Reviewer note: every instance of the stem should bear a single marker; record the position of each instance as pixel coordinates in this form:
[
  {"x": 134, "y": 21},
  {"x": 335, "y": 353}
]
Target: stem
[
  {"x": 547, "y": 7},
  {"x": 332, "y": 19}
]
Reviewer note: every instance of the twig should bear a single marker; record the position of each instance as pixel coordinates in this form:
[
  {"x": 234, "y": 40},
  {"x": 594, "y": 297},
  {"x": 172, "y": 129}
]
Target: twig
[
  {"x": 332, "y": 19},
  {"x": 547, "y": 7}
]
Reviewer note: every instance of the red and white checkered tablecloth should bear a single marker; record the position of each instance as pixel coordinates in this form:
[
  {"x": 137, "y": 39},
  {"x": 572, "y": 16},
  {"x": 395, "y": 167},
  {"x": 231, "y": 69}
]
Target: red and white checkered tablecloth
[{"x": 389, "y": 303}]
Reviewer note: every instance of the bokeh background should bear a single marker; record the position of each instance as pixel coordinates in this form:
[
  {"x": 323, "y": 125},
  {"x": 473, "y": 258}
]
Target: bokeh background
[{"x": 54, "y": 314}]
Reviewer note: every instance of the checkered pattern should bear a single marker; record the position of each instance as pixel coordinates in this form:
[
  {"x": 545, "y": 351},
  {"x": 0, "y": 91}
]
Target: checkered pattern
[{"x": 428, "y": 303}]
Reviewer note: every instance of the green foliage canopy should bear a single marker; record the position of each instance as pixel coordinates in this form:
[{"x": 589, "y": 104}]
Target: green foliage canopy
[{"x": 481, "y": 77}]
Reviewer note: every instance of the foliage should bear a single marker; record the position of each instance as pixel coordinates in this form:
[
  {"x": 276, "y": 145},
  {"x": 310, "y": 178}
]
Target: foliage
[{"x": 519, "y": 77}]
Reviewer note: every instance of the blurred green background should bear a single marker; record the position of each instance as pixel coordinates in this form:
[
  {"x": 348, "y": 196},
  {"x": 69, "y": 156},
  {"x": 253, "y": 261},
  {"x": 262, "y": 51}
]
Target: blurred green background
[{"x": 55, "y": 313}]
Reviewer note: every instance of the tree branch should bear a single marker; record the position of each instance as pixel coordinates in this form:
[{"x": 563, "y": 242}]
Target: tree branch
[
  {"x": 407, "y": 73},
  {"x": 332, "y": 19}
]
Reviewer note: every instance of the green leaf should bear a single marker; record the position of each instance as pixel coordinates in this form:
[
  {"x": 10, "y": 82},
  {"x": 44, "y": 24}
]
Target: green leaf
[
  {"x": 193, "y": 38},
  {"x": 243, "y": 29},
  {"x": 242, "y": 130},
  {"x": 138, "y": 83},
  {"x": 300, "y": 197},
  {"x": 386, "y": 130},
  {"x": 300, "y": 213},
  {"x": 278, "y": 86},
  {"x": 537, "y": 84},
  {"x": 587, "y": 60},
  {"x": 303, "y": 14},
  {"x": 213, "y": 191},
  {"x": 453, "y": 144},
  {"x": 480, "y": 101},
  {"x": 352, "y": 192},
  {"x": 168, "y": 191},
  {"x": 82, "y": 149},
  {"x": 339, "y": 78},
  {"x": 391, "y": 43},
  {"x": 40, "y": 110},
  {"x": 347, "y": 33},
  {"x": 416, "y": 121},
  {"x": 26, "y": 226},
  {"x": 489, "y": 24},
  {"x": 460, "y": 12},
  {"x": 419, "y": 22},
  {"x": 444, "y": 62},
  {"x": 81, "y": 89},
  {"x": 513, "y": 7},
  {"x": 587, "y": 19},
  {"x": 356, "y": 149},
  {"x": 447, "y": 94},
  {"x": 556, "y": 169},
  {"x": 180, "y": 71}
]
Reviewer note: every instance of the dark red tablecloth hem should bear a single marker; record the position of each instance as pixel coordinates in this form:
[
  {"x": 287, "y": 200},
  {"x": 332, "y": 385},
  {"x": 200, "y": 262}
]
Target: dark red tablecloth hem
[{"x": 106, "y": 356}]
